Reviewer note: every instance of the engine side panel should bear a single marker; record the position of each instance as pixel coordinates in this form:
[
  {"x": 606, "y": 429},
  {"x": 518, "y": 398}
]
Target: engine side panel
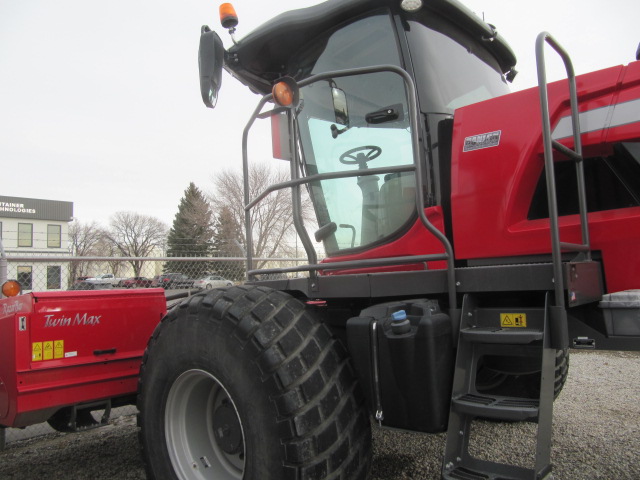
[{"x": 497, "y": 160}]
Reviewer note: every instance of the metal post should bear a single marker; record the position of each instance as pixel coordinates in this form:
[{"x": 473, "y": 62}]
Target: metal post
[
  {"x": 245, "y": 174},
  {"x": 296, "y": 202},
  {"x": 3, "y": 266},
  {"x": 549, "y": 171}
]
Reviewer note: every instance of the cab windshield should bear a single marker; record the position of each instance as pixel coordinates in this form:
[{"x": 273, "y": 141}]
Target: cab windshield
[{"x": 454, "y": 69}]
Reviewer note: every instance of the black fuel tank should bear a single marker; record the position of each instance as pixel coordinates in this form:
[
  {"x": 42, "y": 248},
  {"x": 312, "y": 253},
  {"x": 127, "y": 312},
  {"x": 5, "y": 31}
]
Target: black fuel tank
[{"x": 415, "y": 363}]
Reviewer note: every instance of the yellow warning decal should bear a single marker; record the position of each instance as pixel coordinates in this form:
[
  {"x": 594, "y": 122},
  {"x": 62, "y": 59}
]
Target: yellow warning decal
[
  {"x": 58, "y": 349},
  {"x": 47, "y": 350},
  {"x": 513, "y": 319},
  {"x": 36, "y": 351}
]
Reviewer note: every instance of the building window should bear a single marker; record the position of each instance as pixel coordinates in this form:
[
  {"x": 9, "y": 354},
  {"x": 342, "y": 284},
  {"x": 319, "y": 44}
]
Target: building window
[
  {"x": 25, "y": 235},
  {"x": 54, "y": 278},
  {"x": 54, "y": 233},
  {"x": 25, "y": 277}
]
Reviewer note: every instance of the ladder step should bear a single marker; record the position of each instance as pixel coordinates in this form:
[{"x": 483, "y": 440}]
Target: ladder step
[
  {"x": 508, "y": 473},
  {"x": 574, "y": 247},
  {"x": 567, "y": 151},
  {"x": 487, "y": 331},
  {"x": 462, "y": 473},
  {"x": 497, "y": 407},
  {"x": 513, "y": 336}
]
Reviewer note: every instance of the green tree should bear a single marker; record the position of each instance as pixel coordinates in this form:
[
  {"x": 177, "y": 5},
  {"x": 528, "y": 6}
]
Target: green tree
[
  {"x": 191, "y": 234},
  {"x": 226, "y": 243}
]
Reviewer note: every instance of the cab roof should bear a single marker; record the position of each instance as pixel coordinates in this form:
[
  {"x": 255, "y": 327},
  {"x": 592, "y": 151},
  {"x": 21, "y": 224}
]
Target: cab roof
[{"x": 260, "y": 58}]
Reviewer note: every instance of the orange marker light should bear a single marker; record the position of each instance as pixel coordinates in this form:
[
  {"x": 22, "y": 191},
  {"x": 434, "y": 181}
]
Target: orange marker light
[
  {"x": 11, "y": 288},
  {"x": 228, "y": 17},
  {"x": 282, "y": 94}
]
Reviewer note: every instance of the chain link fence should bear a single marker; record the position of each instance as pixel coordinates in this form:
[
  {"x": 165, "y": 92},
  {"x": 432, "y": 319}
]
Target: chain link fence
[
  {"x": 45, "y": 273},
  {"x": 39, "y": 273}
]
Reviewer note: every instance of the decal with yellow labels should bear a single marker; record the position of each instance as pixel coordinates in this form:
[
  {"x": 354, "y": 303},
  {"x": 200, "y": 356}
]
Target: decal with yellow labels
[
  {"x": 47, "y": 350},
  {"x": 36, "y": 351},
  {"x": 513, "y": 320},
  {"x": 58, "y": 349}
]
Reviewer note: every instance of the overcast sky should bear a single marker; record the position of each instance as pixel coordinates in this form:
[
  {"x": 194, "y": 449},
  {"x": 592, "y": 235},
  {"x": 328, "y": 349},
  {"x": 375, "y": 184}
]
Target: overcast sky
[{"x": 100, "y": 101}]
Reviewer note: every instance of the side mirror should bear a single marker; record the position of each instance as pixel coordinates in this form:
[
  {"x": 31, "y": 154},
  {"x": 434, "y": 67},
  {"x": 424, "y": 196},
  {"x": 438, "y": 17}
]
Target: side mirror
[
  {"x": 340, "y": 105},
  {"x": 210, "y": 62}
]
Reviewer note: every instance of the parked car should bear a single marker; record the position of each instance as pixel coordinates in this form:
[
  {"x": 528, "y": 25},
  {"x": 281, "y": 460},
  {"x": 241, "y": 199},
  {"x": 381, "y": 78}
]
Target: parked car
[
  {"x": 212, "y": 281},
  {"x": 135, "y": 282},
  {"x": 105, "y": 278},
  {"x": 172, "y": 281},
  {"x": 84, "y": 285}
]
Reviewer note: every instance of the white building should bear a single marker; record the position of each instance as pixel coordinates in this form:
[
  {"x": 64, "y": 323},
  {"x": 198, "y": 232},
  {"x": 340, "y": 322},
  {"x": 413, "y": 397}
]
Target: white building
[{"x": 31, "y": 227}]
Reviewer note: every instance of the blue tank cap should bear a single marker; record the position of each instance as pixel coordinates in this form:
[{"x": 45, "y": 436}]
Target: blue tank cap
[{"x": 399, "y": 316}]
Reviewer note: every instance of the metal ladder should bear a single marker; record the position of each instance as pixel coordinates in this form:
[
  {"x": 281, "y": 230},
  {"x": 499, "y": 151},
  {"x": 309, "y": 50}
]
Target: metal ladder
[
  {"x": 479, "y": 336},
  {"x": 482, "y": 332}
]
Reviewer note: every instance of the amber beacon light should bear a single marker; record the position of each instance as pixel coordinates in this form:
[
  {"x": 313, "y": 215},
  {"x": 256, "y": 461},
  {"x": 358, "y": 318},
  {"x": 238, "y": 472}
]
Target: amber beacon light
[
  {"x": 228, "y": 17},
  {"x": 11, "y": 288}
]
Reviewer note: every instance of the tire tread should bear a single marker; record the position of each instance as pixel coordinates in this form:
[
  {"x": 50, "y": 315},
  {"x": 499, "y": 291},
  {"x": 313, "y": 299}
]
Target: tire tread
[{"x": 322, "y": 420}]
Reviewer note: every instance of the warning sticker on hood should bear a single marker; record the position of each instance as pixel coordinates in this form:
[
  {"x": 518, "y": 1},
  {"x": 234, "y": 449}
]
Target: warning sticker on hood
[{"x": 484, "y": 140}]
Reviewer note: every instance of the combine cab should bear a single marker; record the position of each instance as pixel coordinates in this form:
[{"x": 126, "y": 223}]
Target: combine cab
[{"x": 468, "y": 238}]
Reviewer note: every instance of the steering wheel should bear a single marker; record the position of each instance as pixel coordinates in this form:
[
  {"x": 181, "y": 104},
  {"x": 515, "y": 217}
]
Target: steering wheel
[{"x": 360, "y": 155}]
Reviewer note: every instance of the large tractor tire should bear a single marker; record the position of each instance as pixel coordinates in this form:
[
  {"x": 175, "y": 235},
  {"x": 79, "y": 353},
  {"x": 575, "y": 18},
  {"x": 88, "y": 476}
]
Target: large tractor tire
[
  {"x": 245, "y": 383},
  {"x": 561, "y": 372},
  {"x": 491, "y": 378}
]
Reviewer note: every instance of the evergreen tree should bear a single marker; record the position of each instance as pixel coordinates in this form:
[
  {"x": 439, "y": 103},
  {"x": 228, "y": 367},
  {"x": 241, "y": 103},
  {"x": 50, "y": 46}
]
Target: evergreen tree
[
  {"x": 191, "y": 234},
  {"x": 228, "y": 241}
]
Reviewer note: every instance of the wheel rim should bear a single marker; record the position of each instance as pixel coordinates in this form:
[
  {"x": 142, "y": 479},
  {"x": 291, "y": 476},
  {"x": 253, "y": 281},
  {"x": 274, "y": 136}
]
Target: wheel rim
[{"x": 205, "y": 438}]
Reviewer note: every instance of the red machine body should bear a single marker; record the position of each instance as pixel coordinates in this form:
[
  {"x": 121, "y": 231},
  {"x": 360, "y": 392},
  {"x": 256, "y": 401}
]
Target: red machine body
[
  {"x": 492, "y": 188},
  {"x": 468, "y": 245},
  {"x": 70, "y": 348}
]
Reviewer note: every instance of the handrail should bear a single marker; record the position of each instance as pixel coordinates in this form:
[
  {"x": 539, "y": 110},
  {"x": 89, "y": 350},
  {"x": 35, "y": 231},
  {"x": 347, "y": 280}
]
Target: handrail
[
  {"x": 3, "y": 266},
  {"x": 414, "y": 120},
  {"x": 326, "y": 176},
  {"x": 245, "y": 177},
  {"x": 349, "y": 264},
  {"x": 69, "y": 258},
  {"x": 296, "y": 200},
  {"x": 575, "y": 154}
]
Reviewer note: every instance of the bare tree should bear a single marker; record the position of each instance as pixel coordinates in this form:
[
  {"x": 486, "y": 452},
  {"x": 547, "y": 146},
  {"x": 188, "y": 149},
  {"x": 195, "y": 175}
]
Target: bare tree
[
  {"x": 107, "y": 248},
  {"x": 84, "y": 241},
  {"x": 136, "y": 235},
  {"x": 271, "y": 219}
]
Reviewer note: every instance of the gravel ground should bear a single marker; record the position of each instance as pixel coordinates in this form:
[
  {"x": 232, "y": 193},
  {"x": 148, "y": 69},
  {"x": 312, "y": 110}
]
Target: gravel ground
[{"x": 596, "y": 436}]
